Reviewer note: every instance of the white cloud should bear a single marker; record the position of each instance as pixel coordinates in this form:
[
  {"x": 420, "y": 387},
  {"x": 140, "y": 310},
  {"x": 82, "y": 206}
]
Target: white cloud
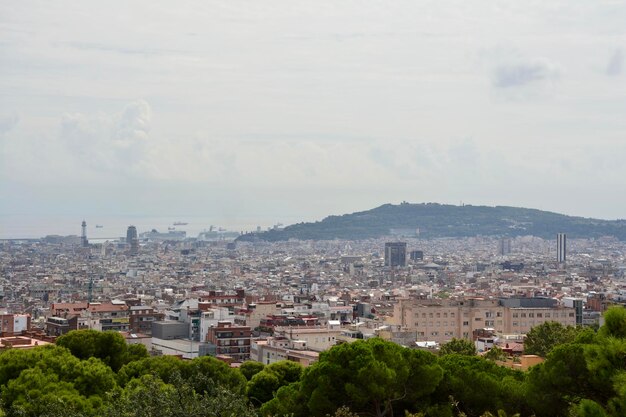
[{"x": 109, "y": 143}]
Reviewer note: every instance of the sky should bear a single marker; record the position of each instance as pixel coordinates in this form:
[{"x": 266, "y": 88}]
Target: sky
[{"x": 294, "y": 110}]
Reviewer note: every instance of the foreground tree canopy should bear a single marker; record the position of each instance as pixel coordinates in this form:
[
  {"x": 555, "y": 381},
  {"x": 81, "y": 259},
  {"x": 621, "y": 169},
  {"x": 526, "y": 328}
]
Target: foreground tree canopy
[{"x": 96, "y": 374}]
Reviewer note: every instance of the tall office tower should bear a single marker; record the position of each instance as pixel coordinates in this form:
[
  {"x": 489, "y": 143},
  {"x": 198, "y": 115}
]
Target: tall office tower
[
  {"x": 504, "y": 247},
  {"x": 395, "y": 254},
  {"x": 83, "y": 235},
  {"x": 132, "y": 240},
  {"x": 561, "y": 248}
]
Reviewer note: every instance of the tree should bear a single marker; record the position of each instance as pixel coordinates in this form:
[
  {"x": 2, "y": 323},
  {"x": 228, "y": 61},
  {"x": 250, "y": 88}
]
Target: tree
[
  {"x": 562, "y": 380},
  {"x": 162, "y": 366},
  {"x": 149, "y": 396},
  {"x": 478, "y": 385},
  {"x": 34, "y": 390},
  {"x": 136, "y": 352},
  {"x": 108, "y": 346},
  {"x": 614, "y": 322},
  {"x": 92, "y": 377},
  {"x": 368, "y": 376},
  {"x": 541, "y": 339},
  {"x": 48, "y": 378},
  {"x": 264, "y": 384},
  {"x": 288, "y": 400},
  {"x": 588, "y": 408},
  {"x": 251, "y": 368},
  {"x": 495, "y": 354},
  {"x": 14, "y": 361},
  {"x": 205, "y": 373},
  {"x": 460, "y": 346}
]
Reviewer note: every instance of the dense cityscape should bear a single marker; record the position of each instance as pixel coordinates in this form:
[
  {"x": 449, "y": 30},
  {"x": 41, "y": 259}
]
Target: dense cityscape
[{"x": 269, "y": 302}]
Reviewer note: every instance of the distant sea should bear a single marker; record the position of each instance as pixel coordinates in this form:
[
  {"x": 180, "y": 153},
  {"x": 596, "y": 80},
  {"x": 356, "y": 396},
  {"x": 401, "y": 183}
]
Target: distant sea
[{"x": 29, "y": 226}]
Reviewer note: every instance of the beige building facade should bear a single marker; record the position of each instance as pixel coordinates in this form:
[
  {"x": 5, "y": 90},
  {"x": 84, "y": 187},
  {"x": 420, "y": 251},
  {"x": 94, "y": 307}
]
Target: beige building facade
[{"x": 442, "y": 320}]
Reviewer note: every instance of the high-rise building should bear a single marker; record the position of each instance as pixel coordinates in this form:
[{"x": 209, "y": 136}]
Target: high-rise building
[
  {"x": 504, "y": 247},
  {"x": 395, "y": 254},
  {"x": 132, "y": 240},
  {"x": 561, "y": 248},
  {"x": 83, "y": 235}
]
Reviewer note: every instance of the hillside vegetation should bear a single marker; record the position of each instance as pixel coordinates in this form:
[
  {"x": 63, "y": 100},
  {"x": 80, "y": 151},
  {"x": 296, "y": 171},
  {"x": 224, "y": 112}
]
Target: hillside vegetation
[{"x": 440, "y": 220}]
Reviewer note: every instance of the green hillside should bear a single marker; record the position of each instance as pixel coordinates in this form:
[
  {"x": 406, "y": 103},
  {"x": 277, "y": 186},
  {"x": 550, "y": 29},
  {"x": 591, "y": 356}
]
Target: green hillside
[{"x": 441, "y": 220}]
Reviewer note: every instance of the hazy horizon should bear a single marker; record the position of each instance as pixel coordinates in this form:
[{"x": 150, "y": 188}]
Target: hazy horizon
[
  {"x": 289, "y": 111},
  {"x": 27, "y": 226}
]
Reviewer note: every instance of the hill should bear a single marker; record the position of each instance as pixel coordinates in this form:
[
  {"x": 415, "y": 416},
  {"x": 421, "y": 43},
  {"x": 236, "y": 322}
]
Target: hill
[{"x": 440, "y": 220}]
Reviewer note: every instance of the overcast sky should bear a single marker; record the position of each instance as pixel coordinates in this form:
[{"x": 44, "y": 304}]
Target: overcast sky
[{"x": 296, "y": 110}]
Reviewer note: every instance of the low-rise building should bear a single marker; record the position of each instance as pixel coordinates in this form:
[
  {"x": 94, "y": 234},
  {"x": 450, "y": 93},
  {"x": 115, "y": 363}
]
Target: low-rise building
[{"x": 274, "y": 349}]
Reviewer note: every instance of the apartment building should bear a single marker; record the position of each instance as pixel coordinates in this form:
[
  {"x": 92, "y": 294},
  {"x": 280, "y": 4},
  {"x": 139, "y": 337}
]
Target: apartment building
[
  {"x": 230, "y": 340},
  {"x": 442, "y": 320},
  {"x": 98, "y": 316},
  {"x": 108, "y": 316},
  {"x": 141, "y": 318},
  {"x": 255, "y": 312},
  {"x": 222, "y": 299}
]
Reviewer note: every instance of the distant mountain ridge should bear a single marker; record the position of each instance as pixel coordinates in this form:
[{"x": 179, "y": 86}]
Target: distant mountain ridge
[{"x": 442, "y": 220}]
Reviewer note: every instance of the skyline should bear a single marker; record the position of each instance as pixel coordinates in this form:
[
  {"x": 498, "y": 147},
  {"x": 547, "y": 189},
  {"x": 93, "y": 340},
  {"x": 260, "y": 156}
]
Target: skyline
[{"x": 296, "y": 111}]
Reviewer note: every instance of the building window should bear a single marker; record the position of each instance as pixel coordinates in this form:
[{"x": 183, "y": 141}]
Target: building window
[
  {"x": 515, "y": 324},
  {"x": 466, "y": 323},
  {"x": 531, "y": 315},
  {"x": 515, "y": 315}
]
